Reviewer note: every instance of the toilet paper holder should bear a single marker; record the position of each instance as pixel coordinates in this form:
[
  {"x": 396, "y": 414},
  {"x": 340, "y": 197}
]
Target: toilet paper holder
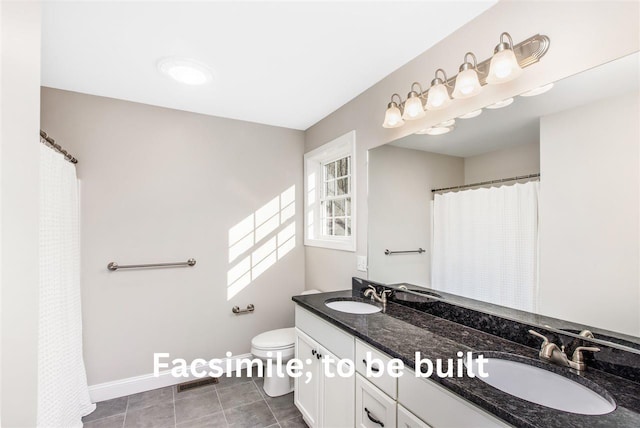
[{"x": 250, "y": 308}]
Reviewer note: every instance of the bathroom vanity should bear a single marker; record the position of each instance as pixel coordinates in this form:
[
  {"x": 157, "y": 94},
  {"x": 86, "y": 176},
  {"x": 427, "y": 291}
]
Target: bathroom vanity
[{"x": 399, "y": 331}]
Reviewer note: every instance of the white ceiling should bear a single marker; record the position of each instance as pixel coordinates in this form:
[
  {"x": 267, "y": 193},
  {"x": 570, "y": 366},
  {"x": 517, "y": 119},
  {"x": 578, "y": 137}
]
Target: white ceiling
[
  {"x": 519, "y": 122},
  {"x": 280, "y": 63}
]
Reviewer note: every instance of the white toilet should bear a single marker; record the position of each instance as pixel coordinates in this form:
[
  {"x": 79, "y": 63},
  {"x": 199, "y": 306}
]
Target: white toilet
[{"x": 267, "y": 346}]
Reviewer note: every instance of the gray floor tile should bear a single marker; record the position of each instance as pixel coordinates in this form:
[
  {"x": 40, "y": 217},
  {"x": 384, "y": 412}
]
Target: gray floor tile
[
  {"x": 107, "y": 408},
  {"x": 283, "y": 407},
  {"x": 110, "y": 422},
  {"x": 259, "y": 381},
  {"x": 225, "y": 382},
  {"x": 197, "y": 406},
  {"x": 239, "y": 395},
  {"x": 254, "y": 415},
  {"x": 155, "y": 416},
  {"x": 296, "y": 422},
  {"x": 150, "y": 398},
  {"x": 216, "y": 420}
]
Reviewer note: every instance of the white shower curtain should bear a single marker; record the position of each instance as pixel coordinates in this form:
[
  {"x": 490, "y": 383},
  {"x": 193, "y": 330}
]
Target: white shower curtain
[
  {"x": 63, "y": 395},
  {"x": 485, "y": 244}
]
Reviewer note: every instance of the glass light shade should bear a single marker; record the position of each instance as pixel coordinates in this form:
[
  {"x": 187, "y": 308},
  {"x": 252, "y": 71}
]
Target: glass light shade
[
  {"x": 537, "y": 91},
  {"x": 503, "y": 67},
  {"x": 500, "y": 104},
  {"x": 449, "y": 122},
  {"x": 471, "y": 114},
  {"x": 438, "y": 130},
  {"x": 413, "y": 108},
  {"x": 438, "y": 97},
  {"x": 393, "y": 117},
  {"x": 467, "y": 84}
]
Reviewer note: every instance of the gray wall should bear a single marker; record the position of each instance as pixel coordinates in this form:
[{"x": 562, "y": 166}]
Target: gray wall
[
  {"x": 400, "y": 183},
  {"x": 512, "y": 161},
  {"x": 600, "y": 31},
  {"x": 19, "y": 163},
  {"x": 589, "y": 215},
  {"x": 162, "y": 185}
]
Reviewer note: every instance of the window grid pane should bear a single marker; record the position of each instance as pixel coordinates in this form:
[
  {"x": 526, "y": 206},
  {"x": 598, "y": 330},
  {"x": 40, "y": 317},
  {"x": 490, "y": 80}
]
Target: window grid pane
[{"x": 336, "y": 198}]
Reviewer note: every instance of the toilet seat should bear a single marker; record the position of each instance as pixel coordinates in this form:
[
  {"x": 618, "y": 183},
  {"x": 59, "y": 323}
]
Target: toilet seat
[{"x": 275, "y": 340}]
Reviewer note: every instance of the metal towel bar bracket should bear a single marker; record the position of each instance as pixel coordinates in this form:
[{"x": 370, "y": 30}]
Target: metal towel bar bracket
[
  {"x": 419, "y": 251},
  {"x": 250, "y": 308},
  {"x": 115, "y": 266}
]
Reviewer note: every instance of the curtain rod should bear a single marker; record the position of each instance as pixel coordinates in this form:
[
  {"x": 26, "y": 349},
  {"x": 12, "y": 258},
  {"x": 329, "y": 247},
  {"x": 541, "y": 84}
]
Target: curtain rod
[
  {"x": 57, "y": 147},
  {"x": 484, "y": 183}
]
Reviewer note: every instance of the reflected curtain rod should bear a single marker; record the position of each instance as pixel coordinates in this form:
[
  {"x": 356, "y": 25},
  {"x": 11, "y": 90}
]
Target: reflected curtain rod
[
  {"x": 51, "y": 143},
  {"x": 484, "y": 183}
]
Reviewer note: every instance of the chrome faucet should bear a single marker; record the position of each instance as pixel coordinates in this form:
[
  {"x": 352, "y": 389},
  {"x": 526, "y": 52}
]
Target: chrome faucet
[
  {"x": 373, "y": 294},
  {"x": 549, "y": 351}
]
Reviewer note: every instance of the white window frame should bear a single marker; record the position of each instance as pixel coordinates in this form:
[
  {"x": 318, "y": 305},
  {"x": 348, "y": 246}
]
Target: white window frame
[{"x": 314, "y": 161}]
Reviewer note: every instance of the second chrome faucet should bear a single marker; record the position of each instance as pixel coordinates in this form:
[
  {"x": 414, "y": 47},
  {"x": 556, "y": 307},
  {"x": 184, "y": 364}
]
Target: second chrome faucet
[{"x": 549, "y": 351}]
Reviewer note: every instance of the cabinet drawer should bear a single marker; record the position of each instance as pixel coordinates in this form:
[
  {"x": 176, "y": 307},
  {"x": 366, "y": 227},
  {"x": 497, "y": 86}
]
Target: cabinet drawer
[
  {"x": 335, "y": 340},
  {"x": 388, "y": 384},
  {"x": 374, "y": 409},
  {"x": 440, "y": 408},
  {"x": 406, "y": 419}
]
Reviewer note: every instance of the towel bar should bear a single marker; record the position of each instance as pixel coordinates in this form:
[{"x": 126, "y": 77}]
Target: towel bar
[{"x": 115, "y": 266}]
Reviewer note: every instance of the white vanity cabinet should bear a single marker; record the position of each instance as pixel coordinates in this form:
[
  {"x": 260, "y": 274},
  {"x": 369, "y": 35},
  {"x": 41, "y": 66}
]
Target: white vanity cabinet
[
  {"x": 440, "y": 408},
  {"x": 406, "y": 419},
  {"x": 374, "y": 408},
  {"x": 323, "y": 401}
]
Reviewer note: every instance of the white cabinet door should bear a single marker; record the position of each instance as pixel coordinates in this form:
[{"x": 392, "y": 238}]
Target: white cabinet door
[
  {"x": 406, "y": 419},
  {"x": 374, "y": 408},
  {"x": 306, "y": 392},
  {"x": 337, "y": 394}
]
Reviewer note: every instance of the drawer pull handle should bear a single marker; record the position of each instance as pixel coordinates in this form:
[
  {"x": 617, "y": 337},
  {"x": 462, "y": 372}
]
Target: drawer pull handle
[
  {"x": 373, "y": 419},
  {"x": 313, "y": 352},
  {"x": 318, "y": 356},
  {"x": 373, "y": 369}
]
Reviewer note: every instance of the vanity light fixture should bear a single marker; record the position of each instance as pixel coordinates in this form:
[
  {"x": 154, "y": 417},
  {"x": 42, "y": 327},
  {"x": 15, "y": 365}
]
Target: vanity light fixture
[
  {"x": 438, "y": 95},
  {"x": 537, "y": 91},
  {"x": 438, "y": 130},
  {"x": 504, "y": 66},
  {"x": 413, "y": 108},
  {"x": 393, "y": 115},
  {"x": 448, "y": 123},
  {"x": 471, "y": 114},
  {"x": 500, "y": 104},
  {"x": 467, "y": 82},
  {"x": 185, "y": 70}
]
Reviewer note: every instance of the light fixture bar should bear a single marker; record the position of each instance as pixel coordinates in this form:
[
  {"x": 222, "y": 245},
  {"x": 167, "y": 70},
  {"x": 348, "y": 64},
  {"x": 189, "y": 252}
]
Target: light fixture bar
[{"x": 528, "y": 52}]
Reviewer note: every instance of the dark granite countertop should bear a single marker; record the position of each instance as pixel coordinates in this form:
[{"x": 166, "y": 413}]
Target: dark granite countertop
[{"x": 402, "y": 331}]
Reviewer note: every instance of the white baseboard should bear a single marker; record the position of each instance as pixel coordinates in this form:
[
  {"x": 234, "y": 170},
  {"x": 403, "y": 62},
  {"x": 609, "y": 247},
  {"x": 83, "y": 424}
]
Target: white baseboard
[{"x": 133, "y": 385}]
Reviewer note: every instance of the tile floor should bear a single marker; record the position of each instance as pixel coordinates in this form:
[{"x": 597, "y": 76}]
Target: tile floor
[{"x": 234, "y": 402}]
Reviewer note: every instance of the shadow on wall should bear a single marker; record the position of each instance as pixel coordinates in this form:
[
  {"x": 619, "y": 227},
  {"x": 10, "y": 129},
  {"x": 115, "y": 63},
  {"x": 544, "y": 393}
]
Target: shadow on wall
[{"x": 260, "y": 240}]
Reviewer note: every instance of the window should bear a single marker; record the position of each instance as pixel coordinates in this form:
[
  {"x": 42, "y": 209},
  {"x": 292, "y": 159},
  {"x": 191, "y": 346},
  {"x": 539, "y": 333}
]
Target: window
[{"x": 330, "y": 194}]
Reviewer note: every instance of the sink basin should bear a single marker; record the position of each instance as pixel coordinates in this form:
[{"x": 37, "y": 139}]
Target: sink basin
[
  {"x": 352, "y": 306},
  {"x": 537, "y": 385}
]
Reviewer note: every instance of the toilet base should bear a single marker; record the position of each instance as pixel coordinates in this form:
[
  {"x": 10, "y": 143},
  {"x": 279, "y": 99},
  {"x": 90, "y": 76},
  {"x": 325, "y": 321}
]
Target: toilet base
[{"x": 275, "y": 386}]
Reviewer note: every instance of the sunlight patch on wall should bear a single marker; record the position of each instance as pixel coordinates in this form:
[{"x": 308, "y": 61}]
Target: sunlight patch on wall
[{"x": 260, "y": 240}]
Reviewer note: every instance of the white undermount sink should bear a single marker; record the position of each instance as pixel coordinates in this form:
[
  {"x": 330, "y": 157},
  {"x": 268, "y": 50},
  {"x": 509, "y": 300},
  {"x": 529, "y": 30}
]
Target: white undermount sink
[
  {"x": 352, "y": 306},
  {"x": 543, "y": 387}
]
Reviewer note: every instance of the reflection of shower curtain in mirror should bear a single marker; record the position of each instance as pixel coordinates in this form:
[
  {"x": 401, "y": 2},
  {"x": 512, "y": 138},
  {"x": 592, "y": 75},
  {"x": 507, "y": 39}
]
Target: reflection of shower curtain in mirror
[
  {"x": 63, "y": 396},
  {"x": 485, "y": 244}
]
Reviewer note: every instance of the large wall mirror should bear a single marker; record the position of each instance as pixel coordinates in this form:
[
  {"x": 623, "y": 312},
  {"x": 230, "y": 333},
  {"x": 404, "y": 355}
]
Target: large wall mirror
[{"x": 565, "y": 245}]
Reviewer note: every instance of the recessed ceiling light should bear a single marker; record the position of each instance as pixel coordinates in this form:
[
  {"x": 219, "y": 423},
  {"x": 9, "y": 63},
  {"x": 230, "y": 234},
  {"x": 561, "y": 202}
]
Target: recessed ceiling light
[
  {"x": 501, "y": 104},
  {"x": 185, "y": 70},
  {"x": 537, "y": 91},
  {"x": 471, "y": 114}
]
